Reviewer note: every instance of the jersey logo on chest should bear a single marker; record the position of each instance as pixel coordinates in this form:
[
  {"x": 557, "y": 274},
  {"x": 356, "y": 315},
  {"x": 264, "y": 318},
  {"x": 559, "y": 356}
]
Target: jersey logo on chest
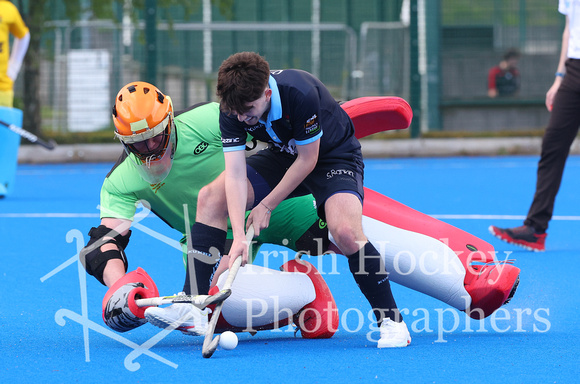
[{"x": 200, "y": 148}]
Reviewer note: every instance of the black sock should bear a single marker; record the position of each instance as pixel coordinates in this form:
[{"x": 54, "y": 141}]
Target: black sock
[
  {"x": 370, "y": 275},
  {"x": 206, "y": 241}
]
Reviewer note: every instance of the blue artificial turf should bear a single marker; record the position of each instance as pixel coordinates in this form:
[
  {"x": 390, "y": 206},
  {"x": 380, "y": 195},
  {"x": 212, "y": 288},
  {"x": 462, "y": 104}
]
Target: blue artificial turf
[{"x": 45, "y": 338}]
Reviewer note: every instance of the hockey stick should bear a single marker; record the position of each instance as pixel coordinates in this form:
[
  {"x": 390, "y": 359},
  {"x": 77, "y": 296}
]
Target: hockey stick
[
  {"x": 210, "y": 342},
  {"x": 29, "y": 136},
  {"x": 200, "y": 301}
]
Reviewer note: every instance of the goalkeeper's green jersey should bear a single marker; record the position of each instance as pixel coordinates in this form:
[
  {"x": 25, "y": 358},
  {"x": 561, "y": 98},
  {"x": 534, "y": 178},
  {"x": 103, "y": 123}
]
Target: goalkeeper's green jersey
[{"x": 198, "y": 160}]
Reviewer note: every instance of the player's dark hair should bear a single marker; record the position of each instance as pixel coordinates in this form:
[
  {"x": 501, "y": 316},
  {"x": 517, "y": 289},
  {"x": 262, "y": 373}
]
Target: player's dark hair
[
  {"x": 512, "y": 53},
  {"x": 242, "y": 79}
]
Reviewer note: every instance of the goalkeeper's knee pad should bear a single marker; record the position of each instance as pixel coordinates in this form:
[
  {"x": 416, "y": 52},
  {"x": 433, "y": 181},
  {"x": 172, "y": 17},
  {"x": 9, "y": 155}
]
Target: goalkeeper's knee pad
[{"x": 120, "y": 311}]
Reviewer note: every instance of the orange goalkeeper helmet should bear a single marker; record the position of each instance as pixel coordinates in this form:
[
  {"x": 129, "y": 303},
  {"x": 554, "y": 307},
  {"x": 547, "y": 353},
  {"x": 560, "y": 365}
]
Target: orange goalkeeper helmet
[{"x": 143, "y": 118}]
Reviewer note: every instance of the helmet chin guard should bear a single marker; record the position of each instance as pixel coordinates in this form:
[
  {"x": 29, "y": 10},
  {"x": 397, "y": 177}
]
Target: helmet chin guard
[{"x": 155, "y": 168}]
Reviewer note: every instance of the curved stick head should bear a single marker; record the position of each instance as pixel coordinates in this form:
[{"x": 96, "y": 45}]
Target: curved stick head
[{"x": 208, "y": 352}]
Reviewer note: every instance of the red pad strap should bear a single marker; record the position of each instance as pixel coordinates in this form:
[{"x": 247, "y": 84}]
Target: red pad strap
[{"x": 374, "y": 114}]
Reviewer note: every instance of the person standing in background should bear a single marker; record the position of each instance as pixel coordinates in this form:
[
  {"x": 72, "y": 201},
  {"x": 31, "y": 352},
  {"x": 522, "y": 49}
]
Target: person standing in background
[
  {"x": 10, "y": 61},
  {"x": 562, "y": 99},
  {"x": 504, "y": 78}
]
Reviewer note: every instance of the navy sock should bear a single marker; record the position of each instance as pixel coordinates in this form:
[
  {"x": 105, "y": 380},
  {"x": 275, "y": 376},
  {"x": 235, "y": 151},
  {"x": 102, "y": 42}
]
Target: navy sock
[
  {"x": 369, "y": 272},
  {"x": 206, "y": 242}
]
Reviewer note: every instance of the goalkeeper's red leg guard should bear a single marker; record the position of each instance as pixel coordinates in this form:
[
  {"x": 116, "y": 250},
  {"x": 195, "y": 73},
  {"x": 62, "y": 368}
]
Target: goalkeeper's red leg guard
[
  {"x": 318, "y": 319},
  {"x": 490, "y": 286}
]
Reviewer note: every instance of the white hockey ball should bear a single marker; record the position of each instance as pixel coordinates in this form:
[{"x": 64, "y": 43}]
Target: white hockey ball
[{"x": 228, "y": 340}]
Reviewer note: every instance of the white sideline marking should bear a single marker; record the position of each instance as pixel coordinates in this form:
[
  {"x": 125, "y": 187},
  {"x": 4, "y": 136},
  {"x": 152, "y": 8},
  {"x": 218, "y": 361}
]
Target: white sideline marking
[
  {"x": 499, "y": 217},
  {"x": 48, "y": 215},
  {"x": 436, "y": 216}
]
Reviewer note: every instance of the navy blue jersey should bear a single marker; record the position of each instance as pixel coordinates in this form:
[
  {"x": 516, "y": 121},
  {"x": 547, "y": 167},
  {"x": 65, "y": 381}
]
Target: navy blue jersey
[{"x": 302, "y": 111}]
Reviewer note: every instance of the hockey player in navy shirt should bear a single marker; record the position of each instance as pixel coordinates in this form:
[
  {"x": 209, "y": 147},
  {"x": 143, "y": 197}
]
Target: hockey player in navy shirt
[{"x": 312, "y": 149}]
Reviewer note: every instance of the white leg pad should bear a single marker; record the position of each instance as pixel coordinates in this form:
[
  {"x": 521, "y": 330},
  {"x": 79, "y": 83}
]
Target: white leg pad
[
  {"x": 262, "y": 296},
  {"x": 419, "y": 262}
]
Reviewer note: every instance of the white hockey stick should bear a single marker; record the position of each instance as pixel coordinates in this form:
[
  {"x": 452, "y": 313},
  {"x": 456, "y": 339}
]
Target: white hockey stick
[
  {"x": 210, "y": 342},
  {"x": 200, "y": 301}
]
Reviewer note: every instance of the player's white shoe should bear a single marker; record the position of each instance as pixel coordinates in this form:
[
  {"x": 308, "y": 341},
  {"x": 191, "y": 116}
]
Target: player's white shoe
[
  {"x": 393, "y": 334},
  {"x": 183, "y": 317}
]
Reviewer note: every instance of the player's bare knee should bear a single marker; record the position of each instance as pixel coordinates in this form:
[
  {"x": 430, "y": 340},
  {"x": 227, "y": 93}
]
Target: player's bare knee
[
  {"x": 212, "y": 197},
  {"x": 347, "y": 239}
]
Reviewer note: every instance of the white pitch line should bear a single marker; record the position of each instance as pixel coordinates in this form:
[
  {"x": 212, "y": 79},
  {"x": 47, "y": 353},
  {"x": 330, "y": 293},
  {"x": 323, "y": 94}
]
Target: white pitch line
[
  {"x": 479, "y": 217},
  {"x": 499, "y": 217},
  {"x": 436, "y": 216},
  {"x": 48, "y": 215}
]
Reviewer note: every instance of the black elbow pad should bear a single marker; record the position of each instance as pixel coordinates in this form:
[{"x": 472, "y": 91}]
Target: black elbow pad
[{"x": 94, "y": 260}]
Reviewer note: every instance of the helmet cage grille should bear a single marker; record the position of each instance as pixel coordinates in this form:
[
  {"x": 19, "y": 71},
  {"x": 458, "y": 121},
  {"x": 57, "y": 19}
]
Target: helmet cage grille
[{"x": 145, "y": 149}]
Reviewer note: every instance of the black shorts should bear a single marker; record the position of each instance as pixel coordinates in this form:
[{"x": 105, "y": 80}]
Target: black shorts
[{"x": 330, "y": 176}]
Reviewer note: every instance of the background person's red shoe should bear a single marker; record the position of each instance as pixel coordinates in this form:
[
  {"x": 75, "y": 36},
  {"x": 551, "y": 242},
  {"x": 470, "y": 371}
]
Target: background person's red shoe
[{"x": 524, "y": 236}]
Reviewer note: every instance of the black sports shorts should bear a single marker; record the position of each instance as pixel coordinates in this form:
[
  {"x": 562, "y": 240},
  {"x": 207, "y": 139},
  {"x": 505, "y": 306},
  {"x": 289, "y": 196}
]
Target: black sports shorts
[{"x": 267, "y": 167}]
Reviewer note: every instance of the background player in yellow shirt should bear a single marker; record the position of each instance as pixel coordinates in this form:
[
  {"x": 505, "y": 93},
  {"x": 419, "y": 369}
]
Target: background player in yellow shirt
[{"x": 10, "y": 61}]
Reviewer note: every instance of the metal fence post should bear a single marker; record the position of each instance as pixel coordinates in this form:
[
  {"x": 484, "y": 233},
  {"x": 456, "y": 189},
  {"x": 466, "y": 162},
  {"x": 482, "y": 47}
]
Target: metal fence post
[
  {"x": 415, "y": 81},
  {"x": 151, "y": 41},
  {"x": 433, "y": 70}
]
